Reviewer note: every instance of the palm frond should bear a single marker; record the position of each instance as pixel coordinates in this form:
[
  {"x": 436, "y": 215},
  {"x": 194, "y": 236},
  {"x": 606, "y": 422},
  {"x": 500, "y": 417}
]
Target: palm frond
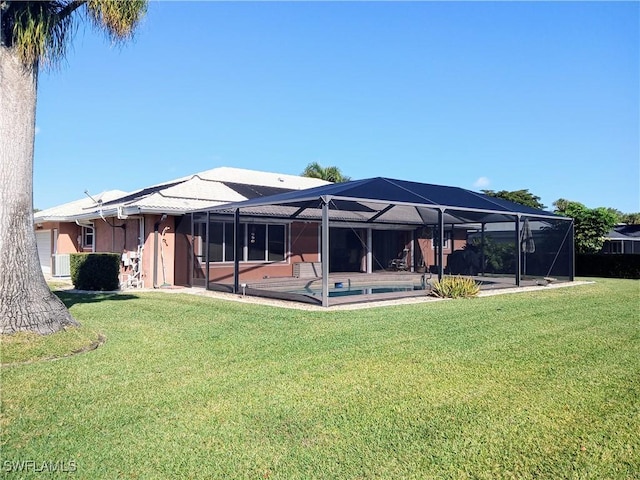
[
  {"x": 38, "y": 32},
  {"x": 117, "y": 18},
  {"x": 331, "y": 174},
  {"x": 313, "y": 170}
]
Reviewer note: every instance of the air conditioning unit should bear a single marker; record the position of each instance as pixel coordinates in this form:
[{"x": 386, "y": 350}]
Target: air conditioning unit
[{"x": 61, "y": 265}]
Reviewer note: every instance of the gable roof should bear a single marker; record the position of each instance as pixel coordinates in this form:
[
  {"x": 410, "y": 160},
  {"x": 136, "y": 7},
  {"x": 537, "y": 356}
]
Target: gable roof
[
  {"x": 386, "y": 200},
  {"x": 200, "y": 190}
]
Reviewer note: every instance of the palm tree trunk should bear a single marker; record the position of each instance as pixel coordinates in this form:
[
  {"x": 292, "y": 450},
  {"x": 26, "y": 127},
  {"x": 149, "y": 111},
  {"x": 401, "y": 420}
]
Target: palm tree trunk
[{"x": 26, "y": 302}]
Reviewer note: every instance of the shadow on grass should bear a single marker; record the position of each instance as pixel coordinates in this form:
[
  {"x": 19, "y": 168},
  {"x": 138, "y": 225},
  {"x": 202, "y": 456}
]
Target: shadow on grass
[{"x": 71, "y": 298}]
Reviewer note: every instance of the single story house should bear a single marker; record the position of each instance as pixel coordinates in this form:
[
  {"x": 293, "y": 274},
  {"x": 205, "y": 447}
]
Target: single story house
[
  {"x": 227, "y": 226},
  {"x": 163, "y": 244},
  {"x": 622, "y": 238},
  {"x": 152, "y": 229}
]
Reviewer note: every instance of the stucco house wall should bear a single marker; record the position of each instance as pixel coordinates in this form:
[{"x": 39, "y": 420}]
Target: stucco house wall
[{"x": 457, "y": 241}]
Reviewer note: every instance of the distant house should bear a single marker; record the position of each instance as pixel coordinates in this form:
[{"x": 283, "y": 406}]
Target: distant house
[
  {"x": 622, "y": 239},
  {"x": 161, "y": 243}
]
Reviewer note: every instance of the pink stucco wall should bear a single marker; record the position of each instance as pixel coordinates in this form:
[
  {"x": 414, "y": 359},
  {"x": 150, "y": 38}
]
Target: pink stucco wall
[
  {"x": 457, "y": 242},
  {"x": 67, "y": 241},
  {"x": 152, "y": 258}
]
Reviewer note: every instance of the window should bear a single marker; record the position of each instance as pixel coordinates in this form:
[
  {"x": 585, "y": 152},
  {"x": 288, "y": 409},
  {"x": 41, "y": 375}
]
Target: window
[
  {"x": 257, "y": 242},
  {"x": 221, "y": 241},
  {"x": 445, "y": 243},
  {"x": 87, "y": 237},
  {"x": 216, "y": 242},
  {"x": 276, "y": 243},
  {"x": 261, "y": 242},
  {"x": 615, "y": 246}
]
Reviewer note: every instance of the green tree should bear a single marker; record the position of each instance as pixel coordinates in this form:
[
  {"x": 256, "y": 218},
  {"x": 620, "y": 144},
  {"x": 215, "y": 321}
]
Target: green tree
[
  {"x": 35, "y": 34},
  {"x": 330, "y": 174},
  {"x": 523, "y": 197},
  {"x": 590, "y": 224},
  {"x": 630, "y": 218}
]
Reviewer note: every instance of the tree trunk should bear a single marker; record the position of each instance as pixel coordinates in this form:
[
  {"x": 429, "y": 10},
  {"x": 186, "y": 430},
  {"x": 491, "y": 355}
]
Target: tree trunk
[{"x": 26, "y": 302}]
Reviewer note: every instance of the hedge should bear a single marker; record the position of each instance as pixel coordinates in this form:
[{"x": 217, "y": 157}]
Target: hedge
[
  {"x": 608, "y": 265},
  {"x": 95, "y": 271}
]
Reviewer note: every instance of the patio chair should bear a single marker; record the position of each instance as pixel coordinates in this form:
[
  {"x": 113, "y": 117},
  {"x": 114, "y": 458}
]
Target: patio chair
[{"x": 400, "y": 263}]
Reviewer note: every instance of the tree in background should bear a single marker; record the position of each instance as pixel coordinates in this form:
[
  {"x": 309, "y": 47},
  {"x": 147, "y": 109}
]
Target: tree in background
[
  {"x": 33, "y": 34},
  {"x": 626, "y": 218},
  {"x": 630, "y": 218},
  {"x": 590, "y": 224},
  {"x": 523, "y": 197},
  {"x": 330, "y": 174}
]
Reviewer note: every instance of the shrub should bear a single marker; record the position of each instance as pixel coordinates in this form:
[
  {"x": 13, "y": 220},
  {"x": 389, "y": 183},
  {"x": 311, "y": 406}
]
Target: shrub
[
  {"x": 498, "y": 257},
  {"x": 95, "y": 271},
  {"x": 455, "y": 287},
  {"x": 608, "y": 265}
]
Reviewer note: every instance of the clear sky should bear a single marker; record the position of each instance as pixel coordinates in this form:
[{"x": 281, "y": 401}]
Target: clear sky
[{"x": 500, "y": 95}]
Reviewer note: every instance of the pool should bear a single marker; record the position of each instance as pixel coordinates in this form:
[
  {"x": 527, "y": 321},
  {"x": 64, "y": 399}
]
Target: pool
[{"x": 347, "y": 290}]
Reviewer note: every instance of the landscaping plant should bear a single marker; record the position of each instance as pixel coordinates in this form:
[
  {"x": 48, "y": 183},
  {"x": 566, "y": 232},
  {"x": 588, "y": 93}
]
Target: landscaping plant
[{"x": 455, "y": 286}]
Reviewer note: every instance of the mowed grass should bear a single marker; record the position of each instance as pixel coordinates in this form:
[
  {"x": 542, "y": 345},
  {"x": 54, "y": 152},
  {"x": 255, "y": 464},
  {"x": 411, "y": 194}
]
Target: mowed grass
[{"x": 529, "y": 385}]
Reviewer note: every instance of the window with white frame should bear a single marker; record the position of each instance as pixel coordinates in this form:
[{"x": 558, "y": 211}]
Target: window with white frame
[
  {"x": 87, "y": 237},
  {"x": 261, "y": 242}
]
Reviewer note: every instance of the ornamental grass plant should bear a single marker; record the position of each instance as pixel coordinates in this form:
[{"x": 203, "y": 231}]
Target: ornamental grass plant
[{"x": 455, "y": 286}]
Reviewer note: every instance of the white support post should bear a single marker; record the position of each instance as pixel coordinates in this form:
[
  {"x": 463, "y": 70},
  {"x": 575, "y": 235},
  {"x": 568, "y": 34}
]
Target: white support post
[
  {"x": 369, "y": 250},
  {"x": 325, "y": 252},
  {"x": 518, "y": 252}
]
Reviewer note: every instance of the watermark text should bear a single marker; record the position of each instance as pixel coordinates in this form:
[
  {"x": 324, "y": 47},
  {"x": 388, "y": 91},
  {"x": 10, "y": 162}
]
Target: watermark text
[{"x": 25, "y": 466}]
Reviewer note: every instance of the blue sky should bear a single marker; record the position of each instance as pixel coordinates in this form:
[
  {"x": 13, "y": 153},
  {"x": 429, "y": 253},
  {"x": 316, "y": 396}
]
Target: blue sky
[{"x": 504, "y": 96}]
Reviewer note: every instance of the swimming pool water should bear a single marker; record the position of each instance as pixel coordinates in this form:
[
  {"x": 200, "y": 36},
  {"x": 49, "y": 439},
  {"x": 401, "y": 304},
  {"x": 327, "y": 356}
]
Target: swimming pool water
[{"x": 358, "y": 290}]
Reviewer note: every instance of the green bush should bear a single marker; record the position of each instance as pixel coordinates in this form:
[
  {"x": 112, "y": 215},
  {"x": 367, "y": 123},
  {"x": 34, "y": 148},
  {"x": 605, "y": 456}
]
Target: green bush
[
  {"x": 455, "y": 286},
  {"x": 498, "y": 257},
  {"x": 95, "y": 271},
  {"x": 608, "y": 265}
]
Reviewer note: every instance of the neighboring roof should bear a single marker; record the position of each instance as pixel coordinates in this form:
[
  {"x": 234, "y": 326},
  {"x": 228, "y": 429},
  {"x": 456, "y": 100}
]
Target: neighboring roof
[
  {"x": 195, "y": 192},
  {"x": 625, "y": 232},
  {"x": 386, "y": 200}
]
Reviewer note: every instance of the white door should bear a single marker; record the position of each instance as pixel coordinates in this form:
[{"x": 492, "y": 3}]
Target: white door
[{"x": 43, "y": 240}]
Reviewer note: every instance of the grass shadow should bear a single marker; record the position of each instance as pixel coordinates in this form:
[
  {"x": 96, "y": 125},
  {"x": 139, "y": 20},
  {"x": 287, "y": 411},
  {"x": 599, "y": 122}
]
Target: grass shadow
[{"x": 73, "y": 298}]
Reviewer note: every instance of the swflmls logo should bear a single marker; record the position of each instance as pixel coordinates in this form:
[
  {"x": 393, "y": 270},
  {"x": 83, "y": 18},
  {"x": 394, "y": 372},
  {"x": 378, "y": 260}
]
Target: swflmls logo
[{"x": 38, "y": 467}]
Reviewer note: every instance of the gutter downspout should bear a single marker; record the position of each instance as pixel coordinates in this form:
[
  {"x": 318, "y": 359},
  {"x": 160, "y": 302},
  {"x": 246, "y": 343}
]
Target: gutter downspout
[{"x": 156, "y": 226}]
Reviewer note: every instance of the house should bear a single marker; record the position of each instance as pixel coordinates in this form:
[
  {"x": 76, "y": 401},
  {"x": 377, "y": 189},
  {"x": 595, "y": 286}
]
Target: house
[
  {"x": 622, "y": 238},
  {"x": 153, "y": 230},
  {"x": 228, "y": 227}
]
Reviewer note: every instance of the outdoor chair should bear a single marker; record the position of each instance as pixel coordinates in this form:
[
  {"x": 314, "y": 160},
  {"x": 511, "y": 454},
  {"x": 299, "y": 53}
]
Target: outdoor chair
[{"x": 400, "y": 263}]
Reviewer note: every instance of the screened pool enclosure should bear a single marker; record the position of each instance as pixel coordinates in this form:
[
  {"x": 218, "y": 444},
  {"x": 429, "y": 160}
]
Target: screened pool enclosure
[{"x": 375, "y": 238}]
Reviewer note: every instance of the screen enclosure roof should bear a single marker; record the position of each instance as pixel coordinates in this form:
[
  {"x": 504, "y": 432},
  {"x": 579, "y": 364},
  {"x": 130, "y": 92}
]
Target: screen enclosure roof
[{"x": 385, "y": 200}]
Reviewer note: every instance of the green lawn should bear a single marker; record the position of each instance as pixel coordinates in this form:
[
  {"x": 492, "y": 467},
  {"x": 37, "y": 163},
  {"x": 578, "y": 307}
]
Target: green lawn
[{"x": 530, "y": 385}]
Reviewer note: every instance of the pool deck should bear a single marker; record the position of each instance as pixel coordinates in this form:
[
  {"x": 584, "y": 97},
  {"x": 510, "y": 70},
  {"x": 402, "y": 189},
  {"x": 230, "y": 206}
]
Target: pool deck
[{"x": 289, "y": 289}]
